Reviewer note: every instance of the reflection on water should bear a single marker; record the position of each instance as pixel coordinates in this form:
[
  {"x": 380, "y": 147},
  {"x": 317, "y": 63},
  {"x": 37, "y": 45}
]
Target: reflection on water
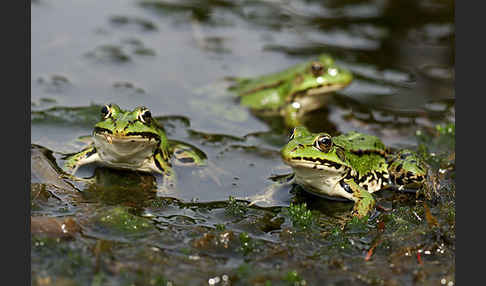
[
  {"x": 170, "y": 55},
  {"x": 403, "y": 69},
  {"x": 174, "y": 56}
]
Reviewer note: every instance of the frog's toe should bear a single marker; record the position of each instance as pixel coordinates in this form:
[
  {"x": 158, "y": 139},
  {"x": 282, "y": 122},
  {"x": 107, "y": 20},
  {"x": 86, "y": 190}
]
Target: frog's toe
[
  {"x": 363, "y": 208},
  {"x": 72, "y": 177},
  {"x": 259, "y": 199},
  {"x": 266, "y": 198}
]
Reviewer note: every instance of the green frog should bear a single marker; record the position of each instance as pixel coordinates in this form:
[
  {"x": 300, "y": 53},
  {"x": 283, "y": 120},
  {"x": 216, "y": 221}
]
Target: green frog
[
  {"x": 351, "y": 166},
  {"x": 294, "y": 91},
  {"x": 133, "y": 140}
]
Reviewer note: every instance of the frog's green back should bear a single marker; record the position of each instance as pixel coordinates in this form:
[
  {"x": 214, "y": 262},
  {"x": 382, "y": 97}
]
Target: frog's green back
[
  {"x": 266, "y": 98},
  {"x": 407, "y": 161},
  {"x": 365, "y": 153},
  {"x": 249, "y": 85},
  {"x": 367, "y": 164},
  {"x": 358, "y": 142}
]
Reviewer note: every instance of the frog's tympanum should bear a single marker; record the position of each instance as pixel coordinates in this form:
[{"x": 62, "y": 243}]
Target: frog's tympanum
[
  {"x": 294, "y": 91},
  {"x": 133, "y": 140},
  {"x": 352, "y": 166}
]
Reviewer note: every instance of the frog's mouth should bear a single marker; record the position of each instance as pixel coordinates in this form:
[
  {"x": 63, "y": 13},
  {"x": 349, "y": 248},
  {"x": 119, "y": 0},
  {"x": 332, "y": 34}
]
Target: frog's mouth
[
  {"x": 139, "y": 136},
  {"x": 314, "y": 163},
  {"x": 130, "y": 147}
]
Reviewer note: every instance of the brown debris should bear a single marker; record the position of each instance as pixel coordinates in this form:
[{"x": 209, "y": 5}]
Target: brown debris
[{"x": 54, "y": 227}]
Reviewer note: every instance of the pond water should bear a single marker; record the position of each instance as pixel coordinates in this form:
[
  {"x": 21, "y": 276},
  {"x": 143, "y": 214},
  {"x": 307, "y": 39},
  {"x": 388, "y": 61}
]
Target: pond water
[{"x": 174, "y": 57}]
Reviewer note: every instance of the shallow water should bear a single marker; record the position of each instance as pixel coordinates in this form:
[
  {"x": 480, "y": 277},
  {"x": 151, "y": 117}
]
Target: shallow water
[{"x": 173, "y": 57}]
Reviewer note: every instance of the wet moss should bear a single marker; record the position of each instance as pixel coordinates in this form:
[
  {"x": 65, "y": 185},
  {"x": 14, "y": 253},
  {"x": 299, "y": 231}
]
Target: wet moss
[
  {"x": 235, "y": 208},
  {"x": 300, "y": 216},
  {"x": 118, "y": 222},
  {"x": 56, "y": 258},
  {"x": 293, "y": 278},
  {"x": 129, "y": 237},
  {"x": 247, "y": 243}
]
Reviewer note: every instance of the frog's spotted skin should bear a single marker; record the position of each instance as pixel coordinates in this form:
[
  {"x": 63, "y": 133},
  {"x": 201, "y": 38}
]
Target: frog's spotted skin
[
  {"x": 366, "y": 154},
  {"x": 351, "y": 165},
  {"x": 293, "y": 91},
  {"x": 133, "y": 140},
  {"x": 407, "y": 169}
]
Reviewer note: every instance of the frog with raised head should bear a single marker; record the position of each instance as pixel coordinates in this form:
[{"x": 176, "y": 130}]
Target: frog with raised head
[
  {"x": 133, "y": 140},
  {"x": 294, "y": 91},
  {"x": 351, "y": 166}
]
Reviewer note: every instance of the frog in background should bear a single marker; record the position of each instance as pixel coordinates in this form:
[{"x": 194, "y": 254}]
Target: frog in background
[{"x": 293, "y": 92}]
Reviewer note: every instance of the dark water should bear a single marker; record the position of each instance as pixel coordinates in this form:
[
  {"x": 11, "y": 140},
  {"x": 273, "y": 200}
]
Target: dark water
[{"x": 172, "y": 57}]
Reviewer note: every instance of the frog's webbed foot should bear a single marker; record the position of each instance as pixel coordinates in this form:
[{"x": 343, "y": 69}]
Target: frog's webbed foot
[
  {"x": 86, "y": 156},
  {"x": 169, "y": 183},
  {"x": 73, "y": 178},
  {"x": 262, "y": 198},
  {"x": 73, "y": 161},
  {"x": 363, "y": 200},
  {"x": 268, "y": 193}
]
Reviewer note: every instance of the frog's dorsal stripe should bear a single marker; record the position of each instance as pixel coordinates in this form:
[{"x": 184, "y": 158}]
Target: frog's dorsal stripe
[
  {"x": 369, "y": 152},
  {"x": 319, "y": 89},
  {"x": 270, "y": 85},
  {"x": 298, "y": 93}
]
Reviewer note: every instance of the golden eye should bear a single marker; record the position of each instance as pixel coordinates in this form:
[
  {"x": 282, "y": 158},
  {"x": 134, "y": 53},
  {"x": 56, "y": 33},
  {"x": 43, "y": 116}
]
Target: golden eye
[
  {"x": 323, "y": 143},
  {"x": 145, "y": 116},
  {"x": 106, "y": 111}
]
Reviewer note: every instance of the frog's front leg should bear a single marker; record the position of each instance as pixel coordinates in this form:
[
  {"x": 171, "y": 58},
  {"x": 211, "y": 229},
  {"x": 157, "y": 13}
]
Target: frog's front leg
[
  {"x": 163, "y": 167},
  {"x": 363, "y": 200},
  {"x": 73, "y": 161},
  {"x": 86, "y": 156}
]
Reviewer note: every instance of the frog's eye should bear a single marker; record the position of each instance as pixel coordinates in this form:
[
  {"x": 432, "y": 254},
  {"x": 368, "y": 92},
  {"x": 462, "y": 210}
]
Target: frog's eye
[
  {"x": 145, "y": 116},
  {"x": 317, "y": 68},
  {"x": 106, "y": 111},
  {"x": 323, "y": 143}
]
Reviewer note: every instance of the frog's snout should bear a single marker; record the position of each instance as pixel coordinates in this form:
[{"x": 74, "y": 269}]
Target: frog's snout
[{"x": 290, "y": 150}]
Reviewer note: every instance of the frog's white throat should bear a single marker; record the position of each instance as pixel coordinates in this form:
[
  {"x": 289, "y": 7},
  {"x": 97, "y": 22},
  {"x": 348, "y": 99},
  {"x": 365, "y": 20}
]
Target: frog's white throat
[
  {"x": 321, "y": 178},
  {"x": 124, "y": 152}
]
